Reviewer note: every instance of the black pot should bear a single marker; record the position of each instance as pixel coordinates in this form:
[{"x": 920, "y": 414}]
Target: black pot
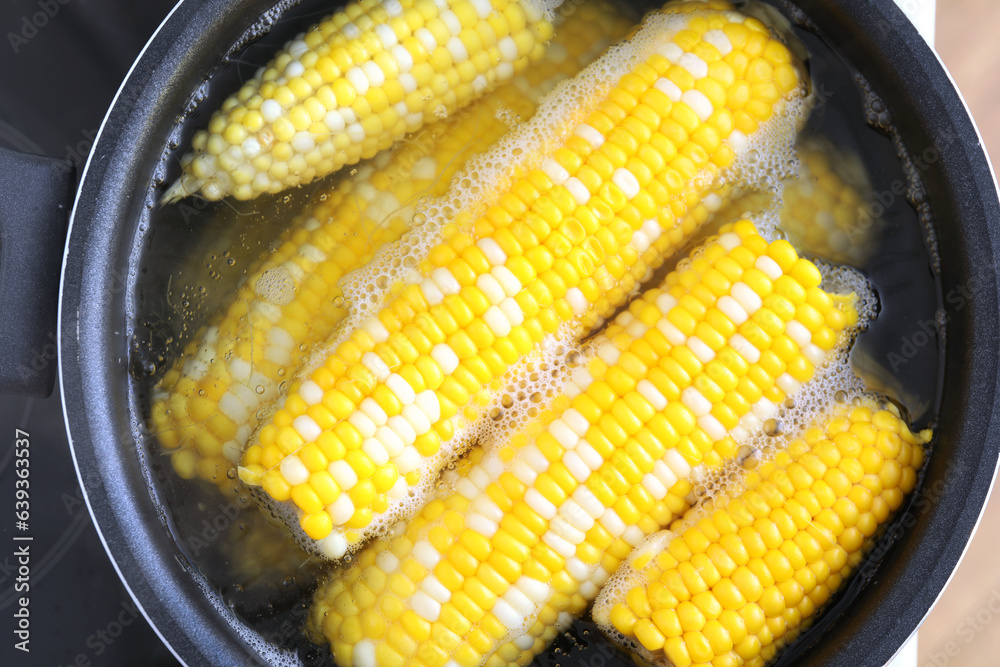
[{"x": 108, "y": 230}]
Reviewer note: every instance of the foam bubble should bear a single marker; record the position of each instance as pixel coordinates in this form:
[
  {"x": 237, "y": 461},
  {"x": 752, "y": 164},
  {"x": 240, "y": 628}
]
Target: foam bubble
[{"x": 276, "y": 286}]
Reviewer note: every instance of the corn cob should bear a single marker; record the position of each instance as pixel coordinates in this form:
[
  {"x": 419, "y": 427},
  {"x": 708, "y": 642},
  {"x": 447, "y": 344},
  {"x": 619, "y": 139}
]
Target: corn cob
[
  {"x": 258, "y": 553},
  {"x": 743, "y": 581},
  {"x": 206, "y": 407},
  {"x": 554, "y": 249},
  {"x": 828, "y": 209},
  {"x": 489, "y": 573},
  {"x": 353, "y": 85},
  {"x": 825, "y": 209}
]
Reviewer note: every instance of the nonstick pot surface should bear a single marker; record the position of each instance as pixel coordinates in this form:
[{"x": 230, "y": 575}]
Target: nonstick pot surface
[{"x": 103, "y": 332}]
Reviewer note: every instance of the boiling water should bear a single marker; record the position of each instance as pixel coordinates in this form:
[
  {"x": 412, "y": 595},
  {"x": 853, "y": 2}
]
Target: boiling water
[{"x": 196, "y": 254}]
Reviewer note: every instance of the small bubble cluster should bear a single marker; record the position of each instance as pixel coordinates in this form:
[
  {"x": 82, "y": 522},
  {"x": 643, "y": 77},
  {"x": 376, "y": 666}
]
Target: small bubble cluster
[{"x": 276, "y": 286}]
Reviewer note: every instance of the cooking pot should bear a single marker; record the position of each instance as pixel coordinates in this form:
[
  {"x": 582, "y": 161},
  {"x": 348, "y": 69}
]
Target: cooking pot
[{"x": 109, "y": 231}]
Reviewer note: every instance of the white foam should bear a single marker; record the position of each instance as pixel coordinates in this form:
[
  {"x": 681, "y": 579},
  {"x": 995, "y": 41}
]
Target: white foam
[{"x": 276, "y": 286}]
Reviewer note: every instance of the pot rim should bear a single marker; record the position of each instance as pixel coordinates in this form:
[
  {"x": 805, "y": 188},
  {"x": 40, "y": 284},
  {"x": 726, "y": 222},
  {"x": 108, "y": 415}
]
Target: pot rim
[{"x": 996, "y": 468}]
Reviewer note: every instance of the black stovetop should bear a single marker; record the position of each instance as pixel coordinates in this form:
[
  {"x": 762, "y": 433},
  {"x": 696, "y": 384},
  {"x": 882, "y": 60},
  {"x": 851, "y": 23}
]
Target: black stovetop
[{"x": 61, "y": 62}]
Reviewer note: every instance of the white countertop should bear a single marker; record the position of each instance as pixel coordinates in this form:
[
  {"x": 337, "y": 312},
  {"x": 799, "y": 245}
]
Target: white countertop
[{"x": 921, "y": 12}]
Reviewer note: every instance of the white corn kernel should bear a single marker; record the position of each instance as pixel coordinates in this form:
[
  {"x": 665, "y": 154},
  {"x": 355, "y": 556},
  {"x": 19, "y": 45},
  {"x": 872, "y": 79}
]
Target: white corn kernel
[
  {"x": 693, "y": 64},
  {"x": 496, "y": 321},
  {"x": 696, "y": 401},
  {"x": 359, "y": 420},
  {"x": 579, "y": 191},
  {"x": 374, "y": 363},
  {"x": 649, "y": 391},
  {"x": 435, "y": 589},
  {"x": 425, "y": 606},
  {"x": 375, "y": 451},
  {"x": 403, "y": 429},
  {"x": 744, "y": 348},
  {"x": 576, "y": 466},
  {"x": 492, "y": 250},
  {"x": 626, "y": 182},
  {"x": 746, "y": 297},
  {"x": 719, "y": 40},
  {"x": 294, "y": 470},
  {"x": 540, "y": 504},
  {"x": 425, "y": 554},
  {"x": 698, "y": 103},
  {"x": 490, "y": 288},
  {"x": 398, "y": 385},
  {"x": 700, "y": 349},
  {"x": 417, "y": 419},
  {"x": 512, "y": 311},
  {"x": 374, "y": 411},
  {"x": 732, "y": 309},
  {"x": 511, "y": 285},
  {"x": 392, "y": 443},
  {"x": 307, "y": 428},
  {"x": 445, "y": 357},
  {"x": 429, "y": 404},
  {"x": 590, "y": 135},
  {"x": 343, "y": 474},
  {"x": 341, "y": 510},
  {"x": 768, "y": 267},
  {"x": 668, "y": 88}
]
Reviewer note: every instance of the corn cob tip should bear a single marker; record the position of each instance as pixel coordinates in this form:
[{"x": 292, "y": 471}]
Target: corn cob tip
[
  {"x": 827, "y": 209},
  {"x": 177, "y": 192}
]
